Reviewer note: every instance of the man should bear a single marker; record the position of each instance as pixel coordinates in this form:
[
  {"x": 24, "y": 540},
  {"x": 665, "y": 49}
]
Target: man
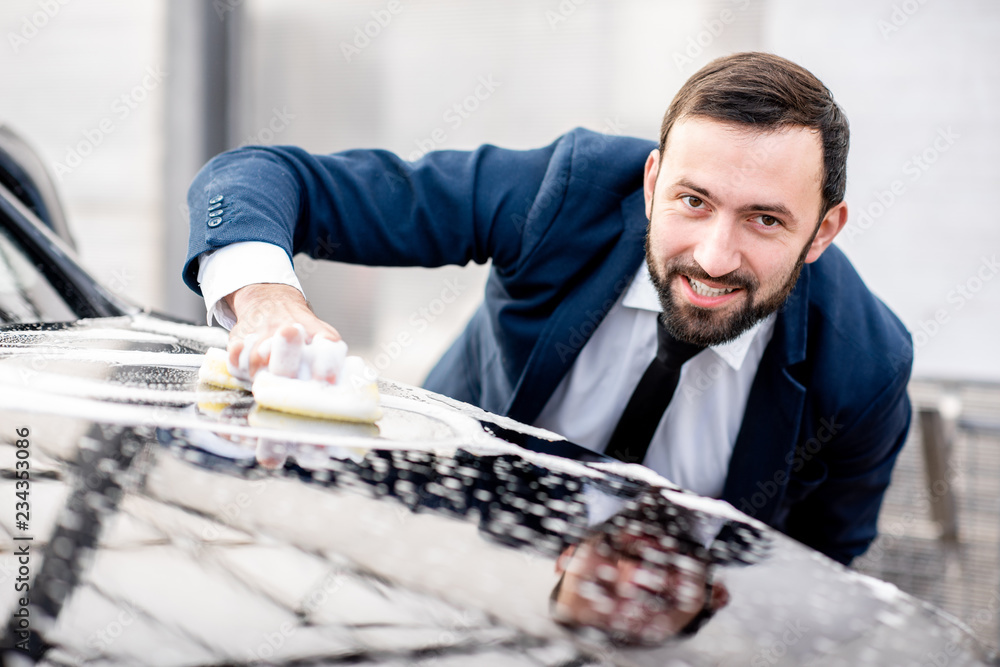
[{"x": 795, "y": 413}]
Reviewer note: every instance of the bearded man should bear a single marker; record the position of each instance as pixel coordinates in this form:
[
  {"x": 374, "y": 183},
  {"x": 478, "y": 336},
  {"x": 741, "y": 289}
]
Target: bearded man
[{"x": 676, "y": 303}]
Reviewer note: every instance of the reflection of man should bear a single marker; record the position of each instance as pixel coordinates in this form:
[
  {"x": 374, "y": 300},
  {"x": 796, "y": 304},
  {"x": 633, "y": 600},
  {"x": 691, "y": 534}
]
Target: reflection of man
[
  {"x": 794, "y": 413},
  {"x": 634, "y": 588},
  {"x": 648, "y": 573},
  {"x": 643, "y": 574}
]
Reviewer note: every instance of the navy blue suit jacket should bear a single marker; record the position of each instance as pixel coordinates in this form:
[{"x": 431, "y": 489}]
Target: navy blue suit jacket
[{"x": 564, "y": 228}]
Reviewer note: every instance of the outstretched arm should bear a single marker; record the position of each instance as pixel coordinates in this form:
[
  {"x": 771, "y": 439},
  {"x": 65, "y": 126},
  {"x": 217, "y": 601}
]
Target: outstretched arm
[{"x": 361, "y": 206}]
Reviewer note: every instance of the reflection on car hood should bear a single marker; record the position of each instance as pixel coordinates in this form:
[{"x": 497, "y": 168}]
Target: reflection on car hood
[{"x": 177, "y": 524}]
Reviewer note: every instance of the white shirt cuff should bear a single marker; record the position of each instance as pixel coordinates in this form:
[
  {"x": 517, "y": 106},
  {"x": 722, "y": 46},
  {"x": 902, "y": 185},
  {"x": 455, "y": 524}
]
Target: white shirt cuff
[{"x": 237, "y": 265}]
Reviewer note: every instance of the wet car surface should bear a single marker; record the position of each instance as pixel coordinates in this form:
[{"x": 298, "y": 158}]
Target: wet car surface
[{"x": 168, "y": 523}]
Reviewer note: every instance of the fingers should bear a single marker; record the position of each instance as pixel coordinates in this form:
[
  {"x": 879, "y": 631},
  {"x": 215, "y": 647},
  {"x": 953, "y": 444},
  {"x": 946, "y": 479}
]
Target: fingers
[
  {"x": 234, "y": 349},
  {"x": 319, "y": 328},
  {"x": 238, "y": 361},
  {"x": 275, "y": 335},
  {"x": 286, "y": 351},
  {"x": 325, "y": 358},
  {"x": 290, "y": 352}
]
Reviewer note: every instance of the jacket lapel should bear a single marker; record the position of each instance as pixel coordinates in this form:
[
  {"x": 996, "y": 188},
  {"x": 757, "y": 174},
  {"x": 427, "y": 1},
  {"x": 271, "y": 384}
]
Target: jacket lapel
[
  {"x": 762, "y": 455},
  {"x": 577, "y": 317}
]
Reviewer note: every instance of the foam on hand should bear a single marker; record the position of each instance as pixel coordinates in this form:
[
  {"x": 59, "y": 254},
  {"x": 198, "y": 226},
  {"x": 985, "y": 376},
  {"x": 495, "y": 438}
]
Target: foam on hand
[{"x": 313, "y": 379}]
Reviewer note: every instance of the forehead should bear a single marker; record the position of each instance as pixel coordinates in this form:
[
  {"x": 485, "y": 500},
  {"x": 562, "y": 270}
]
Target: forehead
[{"x": 738, "y": 162}]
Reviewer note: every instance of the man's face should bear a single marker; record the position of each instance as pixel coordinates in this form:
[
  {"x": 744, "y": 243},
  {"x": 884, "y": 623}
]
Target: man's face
[{"x": 733, "y": 216}]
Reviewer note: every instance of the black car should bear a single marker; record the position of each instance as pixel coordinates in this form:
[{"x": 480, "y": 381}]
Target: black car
[{"x": 149, "y": 520}]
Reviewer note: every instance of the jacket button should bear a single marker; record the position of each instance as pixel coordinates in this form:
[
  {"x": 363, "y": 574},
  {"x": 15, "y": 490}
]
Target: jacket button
[
  {"x": 214, "y": 206},
  {"x": 215, "y": 200},
  {"x": 216, "y": 213},
  {"x": 214, "y": 222}
]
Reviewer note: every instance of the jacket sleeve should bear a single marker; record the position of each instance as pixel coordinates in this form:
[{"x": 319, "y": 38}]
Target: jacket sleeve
[
  {"x": 850, "y": 474},
  {"x": 369, "y": 206}
]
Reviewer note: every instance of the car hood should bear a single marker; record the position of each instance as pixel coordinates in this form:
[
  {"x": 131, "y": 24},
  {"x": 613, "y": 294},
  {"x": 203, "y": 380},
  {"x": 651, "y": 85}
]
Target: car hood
[{"x": 176, "y": 524}]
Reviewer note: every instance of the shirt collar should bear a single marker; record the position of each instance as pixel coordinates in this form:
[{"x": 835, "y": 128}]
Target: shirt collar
[{"x": 641, "y": 295}]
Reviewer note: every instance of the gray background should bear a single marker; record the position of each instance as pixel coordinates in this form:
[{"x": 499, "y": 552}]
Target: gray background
[{"x": 906, "y": 72}]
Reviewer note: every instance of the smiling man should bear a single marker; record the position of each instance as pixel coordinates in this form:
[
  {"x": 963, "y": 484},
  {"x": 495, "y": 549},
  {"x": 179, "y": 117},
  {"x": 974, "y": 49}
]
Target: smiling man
[
  {"x": 743, "y": 359},
  {"x": 729, "y": 231}
]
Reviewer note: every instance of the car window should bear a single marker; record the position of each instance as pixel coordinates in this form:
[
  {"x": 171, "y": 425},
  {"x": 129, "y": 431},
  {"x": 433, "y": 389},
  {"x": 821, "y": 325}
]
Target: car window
[{"x": 25, "y": 294}]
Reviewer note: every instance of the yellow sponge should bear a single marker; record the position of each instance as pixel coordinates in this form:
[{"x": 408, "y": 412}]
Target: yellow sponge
[
  {"x": 215, "y": 371},
  {"x": 345, "y": 401},
  {"x": 345, "y": 389}
]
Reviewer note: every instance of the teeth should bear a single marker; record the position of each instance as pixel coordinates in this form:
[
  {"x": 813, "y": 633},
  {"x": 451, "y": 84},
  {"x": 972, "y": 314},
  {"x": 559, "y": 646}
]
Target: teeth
[{"x": 705, "y": 290}]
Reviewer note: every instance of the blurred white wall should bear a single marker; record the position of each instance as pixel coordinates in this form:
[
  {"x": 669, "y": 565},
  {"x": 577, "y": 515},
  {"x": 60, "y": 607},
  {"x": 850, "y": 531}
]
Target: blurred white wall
[
  {"x": 917, "y": 78},
  {"x": 83, "y": 83}
]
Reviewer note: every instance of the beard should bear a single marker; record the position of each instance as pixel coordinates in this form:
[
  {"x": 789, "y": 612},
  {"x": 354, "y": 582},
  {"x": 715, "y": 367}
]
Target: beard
[{"x": 706, "y": 326}]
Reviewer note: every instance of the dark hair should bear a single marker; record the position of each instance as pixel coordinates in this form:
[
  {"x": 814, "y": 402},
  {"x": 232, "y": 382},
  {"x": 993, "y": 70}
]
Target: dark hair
[{"x": 766, "y": 92}]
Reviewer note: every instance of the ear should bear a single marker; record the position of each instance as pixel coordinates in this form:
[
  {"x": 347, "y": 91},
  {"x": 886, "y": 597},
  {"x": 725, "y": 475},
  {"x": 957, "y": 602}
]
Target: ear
[
  {"x": 649, "y": 179},
  {"x": 832, "y": 223}
]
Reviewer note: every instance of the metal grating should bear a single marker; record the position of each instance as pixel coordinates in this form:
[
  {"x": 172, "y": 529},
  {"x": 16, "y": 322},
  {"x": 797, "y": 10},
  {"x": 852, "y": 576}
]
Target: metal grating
[{"x": 963, "y": 577}]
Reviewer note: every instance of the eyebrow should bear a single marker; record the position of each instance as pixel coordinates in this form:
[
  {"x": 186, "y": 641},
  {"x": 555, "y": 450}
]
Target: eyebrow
[{"x": 780, "y": 209}]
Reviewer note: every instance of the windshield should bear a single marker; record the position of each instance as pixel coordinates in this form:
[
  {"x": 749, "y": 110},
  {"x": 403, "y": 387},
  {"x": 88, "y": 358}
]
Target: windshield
[{"x": 25, "y": 293}]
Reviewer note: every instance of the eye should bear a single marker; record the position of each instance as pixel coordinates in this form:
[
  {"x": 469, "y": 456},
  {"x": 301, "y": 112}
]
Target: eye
[
  {"x": 769, "y": 221},
  {"x": 693, "y": 202}
]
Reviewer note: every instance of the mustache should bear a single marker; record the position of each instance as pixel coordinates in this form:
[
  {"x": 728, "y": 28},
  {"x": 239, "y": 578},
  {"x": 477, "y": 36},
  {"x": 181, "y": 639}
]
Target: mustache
[{"x": 736, "y": 279}]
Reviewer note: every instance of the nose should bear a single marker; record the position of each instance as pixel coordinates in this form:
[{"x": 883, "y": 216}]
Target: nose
[{"x": 717, "y": 251}]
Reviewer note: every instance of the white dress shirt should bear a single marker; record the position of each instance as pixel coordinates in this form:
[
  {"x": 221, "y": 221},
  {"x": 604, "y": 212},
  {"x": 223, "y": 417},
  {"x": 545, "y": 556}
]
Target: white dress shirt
[
  {"x": 694, "y": 441},
  {"x": 695, "y": 438},
  {"x": 237, "y": 265}
]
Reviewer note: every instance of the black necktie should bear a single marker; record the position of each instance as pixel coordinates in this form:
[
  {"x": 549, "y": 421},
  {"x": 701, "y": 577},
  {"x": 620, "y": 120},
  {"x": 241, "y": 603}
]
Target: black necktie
[{"x": 649, "y": 401}]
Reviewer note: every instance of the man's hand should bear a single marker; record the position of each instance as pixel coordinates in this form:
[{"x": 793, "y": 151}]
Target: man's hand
[
  {"x": 633, "y": 588},
  {"x": 263, "y": 310}
]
